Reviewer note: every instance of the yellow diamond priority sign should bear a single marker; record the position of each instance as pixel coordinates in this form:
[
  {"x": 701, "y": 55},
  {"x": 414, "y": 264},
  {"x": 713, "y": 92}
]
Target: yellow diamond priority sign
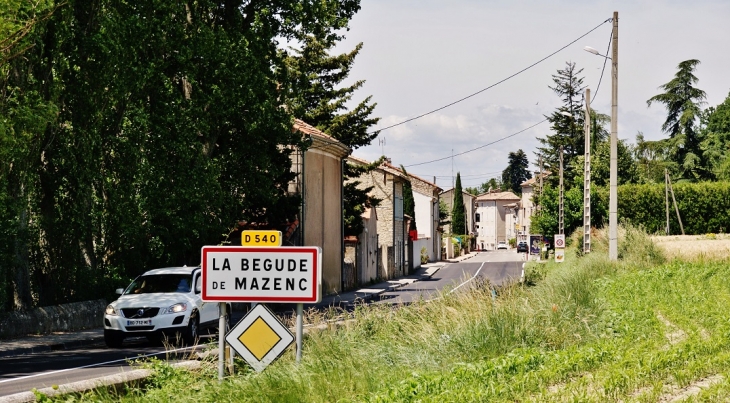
[{"x": 259, "y": 338}]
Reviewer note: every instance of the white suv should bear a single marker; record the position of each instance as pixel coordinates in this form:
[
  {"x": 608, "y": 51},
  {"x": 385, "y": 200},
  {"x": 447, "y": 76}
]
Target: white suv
[{"x": 161, "y": 302}]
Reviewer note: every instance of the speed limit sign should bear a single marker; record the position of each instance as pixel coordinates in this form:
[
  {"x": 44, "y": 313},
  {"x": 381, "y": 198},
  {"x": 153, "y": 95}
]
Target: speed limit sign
[{"x": 560, "y": 241}]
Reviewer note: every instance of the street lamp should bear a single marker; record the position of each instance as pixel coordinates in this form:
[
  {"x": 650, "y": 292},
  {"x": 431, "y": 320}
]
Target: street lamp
[
  {"x": 595, "y": 52},
  {"x": 613, "y": 180}
]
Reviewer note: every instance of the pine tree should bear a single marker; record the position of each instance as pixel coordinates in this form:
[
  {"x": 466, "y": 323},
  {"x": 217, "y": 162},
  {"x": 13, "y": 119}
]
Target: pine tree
[
  {"x": 516, "y": 172},
  {"x": 315, "y": 97},
  {"x": 684, "y": 106},
  {"x": 566, "y": 122},
  {"x": 458, "y": 213}
]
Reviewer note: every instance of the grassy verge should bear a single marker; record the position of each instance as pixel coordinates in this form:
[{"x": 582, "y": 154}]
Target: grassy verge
[{"x": 643, "y": 329}]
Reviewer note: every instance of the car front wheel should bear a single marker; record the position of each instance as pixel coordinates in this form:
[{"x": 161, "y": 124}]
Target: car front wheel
[{"x": 192, "y": 332}]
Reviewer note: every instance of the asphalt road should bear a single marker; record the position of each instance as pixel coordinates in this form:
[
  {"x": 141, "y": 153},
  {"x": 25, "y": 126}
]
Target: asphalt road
[
  {"x": 40, "y": 370},
  {"x": 498, "y": 267}
]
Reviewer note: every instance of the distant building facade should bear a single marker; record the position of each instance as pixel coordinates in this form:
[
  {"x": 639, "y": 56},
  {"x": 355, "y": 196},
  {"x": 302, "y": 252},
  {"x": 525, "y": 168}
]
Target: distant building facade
[{"x": 492, "y": 218}]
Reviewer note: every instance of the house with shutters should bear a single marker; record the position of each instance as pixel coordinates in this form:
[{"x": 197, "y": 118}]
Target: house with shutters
[
  {"x": 527, "y": 206},
  {"x": 493, "y": 218},
  {"x": 426, "y": 201},
  {"x": 387, "y": 185}
]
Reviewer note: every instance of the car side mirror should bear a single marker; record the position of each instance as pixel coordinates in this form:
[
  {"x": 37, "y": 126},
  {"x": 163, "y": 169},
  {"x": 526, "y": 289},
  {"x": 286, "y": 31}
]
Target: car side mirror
[
  {"x": 120, "y": 291},
  {"x": 197, "y": 287}
]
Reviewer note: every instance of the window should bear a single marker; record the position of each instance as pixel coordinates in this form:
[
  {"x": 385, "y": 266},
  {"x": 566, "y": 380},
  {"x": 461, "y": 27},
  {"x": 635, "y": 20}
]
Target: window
[
  {"x": 478, "y": 218},
  {"x": 398, "y": 207}
]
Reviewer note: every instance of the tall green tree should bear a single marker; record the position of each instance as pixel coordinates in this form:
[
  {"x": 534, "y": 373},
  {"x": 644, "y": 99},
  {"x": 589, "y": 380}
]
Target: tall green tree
[
  {"x": 651, "y": 159},
  {"x": 516, "y": 172},
  {"x": 141, "y": 131},
  {"x": 601, "y": 165},
  {"x": 715, "y": 128},
  {"x": 458, "y": 212},
  {"x": 566, "y": 122},
  {"x": 409, "y": 203},
  {"x": 684, "y": 105},
  {"x": 316, "y": 95}
]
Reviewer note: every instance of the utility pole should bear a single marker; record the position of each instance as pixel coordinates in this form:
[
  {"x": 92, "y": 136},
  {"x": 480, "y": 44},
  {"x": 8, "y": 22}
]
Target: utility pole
[
  {"x": 561, "y": 223},
  {"x": 540, "y": 176},
  {"x": 452, "y": 169},
  {"x": 613, "y": 180},
  {"x": 587, "y": 177},
  {"x": 666, "y": 198}
]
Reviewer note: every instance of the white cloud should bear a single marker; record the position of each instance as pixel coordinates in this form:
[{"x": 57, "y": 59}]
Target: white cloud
[{"x": 419, "y": 56}]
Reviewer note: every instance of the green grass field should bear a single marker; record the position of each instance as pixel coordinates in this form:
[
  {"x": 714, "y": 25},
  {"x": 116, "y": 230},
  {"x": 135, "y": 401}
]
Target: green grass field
[{"x": 643, "y": 329}]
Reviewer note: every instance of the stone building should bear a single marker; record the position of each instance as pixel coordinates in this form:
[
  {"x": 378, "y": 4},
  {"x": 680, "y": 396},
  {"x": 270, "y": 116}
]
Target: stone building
[
  {"x": 387, "y": 185},
  {"x": 426, "y": 202}
]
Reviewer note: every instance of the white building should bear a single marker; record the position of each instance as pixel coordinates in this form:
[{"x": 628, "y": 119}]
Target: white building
[
  {"x": 527, "y": 207},
  {"x": 491, "y": 218}
]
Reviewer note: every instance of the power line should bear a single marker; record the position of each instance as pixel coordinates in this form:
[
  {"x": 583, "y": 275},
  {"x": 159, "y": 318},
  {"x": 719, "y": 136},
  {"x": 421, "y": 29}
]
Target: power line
[
  {"x": 482, "y": 146},
  {"x": 493, "y": 85},
  {"x": 605, "y": 60},
  {"x": 463, "y": 176}
]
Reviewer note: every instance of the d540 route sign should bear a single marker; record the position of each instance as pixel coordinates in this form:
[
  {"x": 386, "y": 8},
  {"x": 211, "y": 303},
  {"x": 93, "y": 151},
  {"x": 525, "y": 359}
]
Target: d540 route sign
[
  {"x": 262, "y": 274},
  {"x": 261, "y": 238}
]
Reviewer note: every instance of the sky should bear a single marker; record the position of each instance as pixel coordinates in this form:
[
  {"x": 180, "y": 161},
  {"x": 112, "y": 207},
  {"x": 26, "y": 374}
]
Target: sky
[{"x": 420, "y": 55}]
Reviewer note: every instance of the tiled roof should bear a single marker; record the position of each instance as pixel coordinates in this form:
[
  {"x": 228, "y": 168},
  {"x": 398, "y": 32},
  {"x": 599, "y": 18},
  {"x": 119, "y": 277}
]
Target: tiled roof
[
  {"x": 531, "y": 181},
  {"x": 414, "y": 176},
  {"x": 498, "y": 196},
  {"x": 321, "y": 140}
]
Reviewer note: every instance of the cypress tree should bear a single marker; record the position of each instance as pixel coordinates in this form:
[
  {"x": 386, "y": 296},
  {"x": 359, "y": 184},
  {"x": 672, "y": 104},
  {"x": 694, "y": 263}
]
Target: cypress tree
[{"x": 458, "y": 213}]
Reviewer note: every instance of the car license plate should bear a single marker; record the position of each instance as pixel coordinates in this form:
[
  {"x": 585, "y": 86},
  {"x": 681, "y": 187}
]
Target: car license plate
[{"x": 139, "y": 322}]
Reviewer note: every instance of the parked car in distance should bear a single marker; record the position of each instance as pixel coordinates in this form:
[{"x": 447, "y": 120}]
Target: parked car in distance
[
  {"x": 502, "y": 245},
  {"x": 522, "y": 247},
  {"x": 161, "y": 302}
]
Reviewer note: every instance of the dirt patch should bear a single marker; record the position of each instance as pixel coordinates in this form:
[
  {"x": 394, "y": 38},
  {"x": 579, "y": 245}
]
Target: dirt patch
[
  {"x": 681, "y": 394},
  {"x": 690, "y": 247}
]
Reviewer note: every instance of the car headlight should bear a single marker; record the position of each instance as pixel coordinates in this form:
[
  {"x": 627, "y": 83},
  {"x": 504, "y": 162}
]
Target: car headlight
[
  {"x": 177, "y": 308},
  {"x": 110, "y": 310}
]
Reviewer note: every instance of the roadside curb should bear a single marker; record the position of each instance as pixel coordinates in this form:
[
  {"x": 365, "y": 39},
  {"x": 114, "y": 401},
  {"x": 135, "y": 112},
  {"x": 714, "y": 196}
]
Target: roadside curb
[
  {"x": 462, "y": 258},
  {"x": 365, "y": 295},
  {"x": 82, "y": 386}
]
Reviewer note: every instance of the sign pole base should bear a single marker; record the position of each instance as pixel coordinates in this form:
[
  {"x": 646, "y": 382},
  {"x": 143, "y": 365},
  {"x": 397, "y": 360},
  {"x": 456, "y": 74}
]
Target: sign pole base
[
  {"x": 300, "y": 330},
  {"x": 221, "y": 339}
]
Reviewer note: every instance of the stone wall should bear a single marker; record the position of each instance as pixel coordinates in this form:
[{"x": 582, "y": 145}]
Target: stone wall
[{"x": 59, "y": 318}]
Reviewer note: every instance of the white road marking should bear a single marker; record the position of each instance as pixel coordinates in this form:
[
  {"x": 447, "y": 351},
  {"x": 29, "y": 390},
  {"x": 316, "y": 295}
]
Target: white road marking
[
  {"x": 467, "y": 281},
  {"x": 93, "y": 365}
]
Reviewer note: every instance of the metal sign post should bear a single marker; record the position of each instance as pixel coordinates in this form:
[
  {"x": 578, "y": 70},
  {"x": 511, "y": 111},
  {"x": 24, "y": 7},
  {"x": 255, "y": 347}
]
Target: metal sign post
[
  {"x": 261, "y": 274},
  {"x": 559, "y": 248}
]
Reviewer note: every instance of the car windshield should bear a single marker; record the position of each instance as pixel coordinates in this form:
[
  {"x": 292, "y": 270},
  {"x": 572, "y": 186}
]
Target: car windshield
[{"x": 160, "y": 283}]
